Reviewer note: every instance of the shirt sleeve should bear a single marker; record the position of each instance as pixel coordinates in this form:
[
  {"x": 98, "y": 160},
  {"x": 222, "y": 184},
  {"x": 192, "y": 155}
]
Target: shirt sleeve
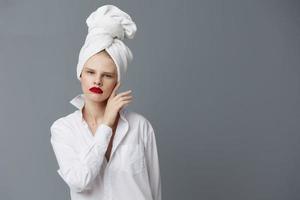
[
  {"x": 78, "y": 170},
  {"x": 152, "y": 162}
]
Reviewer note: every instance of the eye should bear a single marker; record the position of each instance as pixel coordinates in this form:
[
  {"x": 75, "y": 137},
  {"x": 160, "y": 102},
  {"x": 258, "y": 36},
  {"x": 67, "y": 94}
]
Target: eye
[
  {"x": 108, "y": 75},
  {"x": 90, "y": 72}
]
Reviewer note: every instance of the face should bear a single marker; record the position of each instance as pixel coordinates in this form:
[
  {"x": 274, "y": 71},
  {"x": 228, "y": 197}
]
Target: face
[{"x": 99, "y": 71}]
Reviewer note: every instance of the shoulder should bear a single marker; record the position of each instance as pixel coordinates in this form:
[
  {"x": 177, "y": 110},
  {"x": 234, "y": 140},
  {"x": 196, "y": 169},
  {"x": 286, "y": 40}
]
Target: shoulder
[
  {"x": 139, "y": 121},
  {"x": 63, "y": 123},
  {"x": 142, "y": 125},
  {"x": 136, "y": 118}
]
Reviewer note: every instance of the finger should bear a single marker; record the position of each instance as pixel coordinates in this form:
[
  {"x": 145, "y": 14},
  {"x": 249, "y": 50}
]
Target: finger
[
  {"x": 126, "y": 98},
  {"x": 124, "y": 93},
  {"x": 126, "y": 102},
  {"x": 122, "y": 99},
  {"x": 115, "y": 89}
]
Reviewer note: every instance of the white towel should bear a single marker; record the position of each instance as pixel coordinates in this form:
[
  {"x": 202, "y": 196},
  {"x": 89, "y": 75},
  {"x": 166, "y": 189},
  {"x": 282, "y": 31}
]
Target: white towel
[{"x": 107, "y": 28}]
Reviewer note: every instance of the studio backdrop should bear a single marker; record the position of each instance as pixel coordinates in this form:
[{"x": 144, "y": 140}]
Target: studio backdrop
[{"x": 219, "y": 81}]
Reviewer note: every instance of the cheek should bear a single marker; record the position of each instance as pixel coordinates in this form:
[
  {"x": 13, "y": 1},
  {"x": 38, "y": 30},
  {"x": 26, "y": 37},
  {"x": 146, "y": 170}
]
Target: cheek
[
  {"x": 108, "y": 89},
  {"x": 85, "y": 83},
  {"x": 111, "y": 86}
]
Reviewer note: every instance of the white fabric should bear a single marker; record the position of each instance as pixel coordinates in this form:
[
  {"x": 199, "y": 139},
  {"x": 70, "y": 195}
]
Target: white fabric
[
  {"x": 107, "y": 28},
  {"x": 132, "y": 172}
]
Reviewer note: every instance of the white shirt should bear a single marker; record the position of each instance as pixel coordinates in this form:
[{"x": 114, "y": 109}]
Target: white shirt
[{"x": 132, "y": 172}]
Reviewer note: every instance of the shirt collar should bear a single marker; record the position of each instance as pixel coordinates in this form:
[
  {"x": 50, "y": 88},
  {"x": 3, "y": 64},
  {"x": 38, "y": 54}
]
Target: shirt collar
[{"x": 78, "y": 102}]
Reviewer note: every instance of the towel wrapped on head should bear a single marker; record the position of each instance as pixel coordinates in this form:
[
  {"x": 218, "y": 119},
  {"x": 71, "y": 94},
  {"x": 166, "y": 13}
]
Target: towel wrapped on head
[{"x": 108, "y": 26}]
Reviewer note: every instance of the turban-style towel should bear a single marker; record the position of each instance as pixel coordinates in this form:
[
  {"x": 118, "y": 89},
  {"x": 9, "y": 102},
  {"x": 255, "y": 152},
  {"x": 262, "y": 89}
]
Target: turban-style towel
[{"x": 107, "y": 28}]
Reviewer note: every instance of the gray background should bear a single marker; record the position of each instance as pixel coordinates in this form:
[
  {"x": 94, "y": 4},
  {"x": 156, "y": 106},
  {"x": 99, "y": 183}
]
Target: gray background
[{"x": 219, "y": 81}]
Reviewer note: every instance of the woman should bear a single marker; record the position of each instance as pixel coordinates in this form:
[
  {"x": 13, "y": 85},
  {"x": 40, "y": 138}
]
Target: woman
[{"x": 103, "y": 150}]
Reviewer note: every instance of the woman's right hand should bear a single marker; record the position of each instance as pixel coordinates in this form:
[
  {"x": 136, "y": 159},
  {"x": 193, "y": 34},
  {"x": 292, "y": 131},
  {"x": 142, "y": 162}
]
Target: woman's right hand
[{"x": 114, "y": 103}]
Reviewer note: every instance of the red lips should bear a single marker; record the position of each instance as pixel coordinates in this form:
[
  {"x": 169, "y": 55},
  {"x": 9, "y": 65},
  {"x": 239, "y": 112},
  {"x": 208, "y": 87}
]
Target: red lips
[{"x": 96, "y": 90}]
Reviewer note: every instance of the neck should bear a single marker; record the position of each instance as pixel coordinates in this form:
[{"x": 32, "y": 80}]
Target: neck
[{"x": 94, "y": 110}]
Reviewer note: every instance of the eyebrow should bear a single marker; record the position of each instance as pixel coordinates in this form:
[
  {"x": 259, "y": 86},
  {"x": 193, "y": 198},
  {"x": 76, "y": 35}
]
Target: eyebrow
[{"x": 94, "y": 70}]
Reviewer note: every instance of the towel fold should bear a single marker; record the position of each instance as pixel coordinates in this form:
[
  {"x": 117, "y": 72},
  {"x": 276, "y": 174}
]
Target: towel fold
[{"x": 108, "y": 26}]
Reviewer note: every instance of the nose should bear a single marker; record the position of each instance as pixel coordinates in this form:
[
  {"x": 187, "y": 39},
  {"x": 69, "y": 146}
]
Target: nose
[{"x": 98, "y": 81}]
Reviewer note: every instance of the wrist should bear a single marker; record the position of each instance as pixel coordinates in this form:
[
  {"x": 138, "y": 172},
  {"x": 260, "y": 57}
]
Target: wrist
[{"x": 107, "y": 124}]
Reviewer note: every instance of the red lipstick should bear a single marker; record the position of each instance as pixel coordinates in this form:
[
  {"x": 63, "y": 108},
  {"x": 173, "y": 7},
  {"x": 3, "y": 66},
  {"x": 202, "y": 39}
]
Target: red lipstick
[{"x": 96, "y": 90}]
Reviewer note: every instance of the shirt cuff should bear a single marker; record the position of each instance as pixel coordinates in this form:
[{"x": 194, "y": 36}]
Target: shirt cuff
[{"x": 103, "y": 134}]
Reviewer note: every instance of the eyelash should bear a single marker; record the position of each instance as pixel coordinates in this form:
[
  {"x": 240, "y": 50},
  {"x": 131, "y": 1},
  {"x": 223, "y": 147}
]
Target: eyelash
[{"x": 105, "y": 74}]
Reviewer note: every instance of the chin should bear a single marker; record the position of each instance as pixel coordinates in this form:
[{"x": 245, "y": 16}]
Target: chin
[{"x": 97, "y": 97}]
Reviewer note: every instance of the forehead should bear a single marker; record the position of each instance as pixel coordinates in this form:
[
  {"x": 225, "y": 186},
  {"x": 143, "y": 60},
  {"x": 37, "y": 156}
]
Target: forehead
[{"x": 100, "y": 62}]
